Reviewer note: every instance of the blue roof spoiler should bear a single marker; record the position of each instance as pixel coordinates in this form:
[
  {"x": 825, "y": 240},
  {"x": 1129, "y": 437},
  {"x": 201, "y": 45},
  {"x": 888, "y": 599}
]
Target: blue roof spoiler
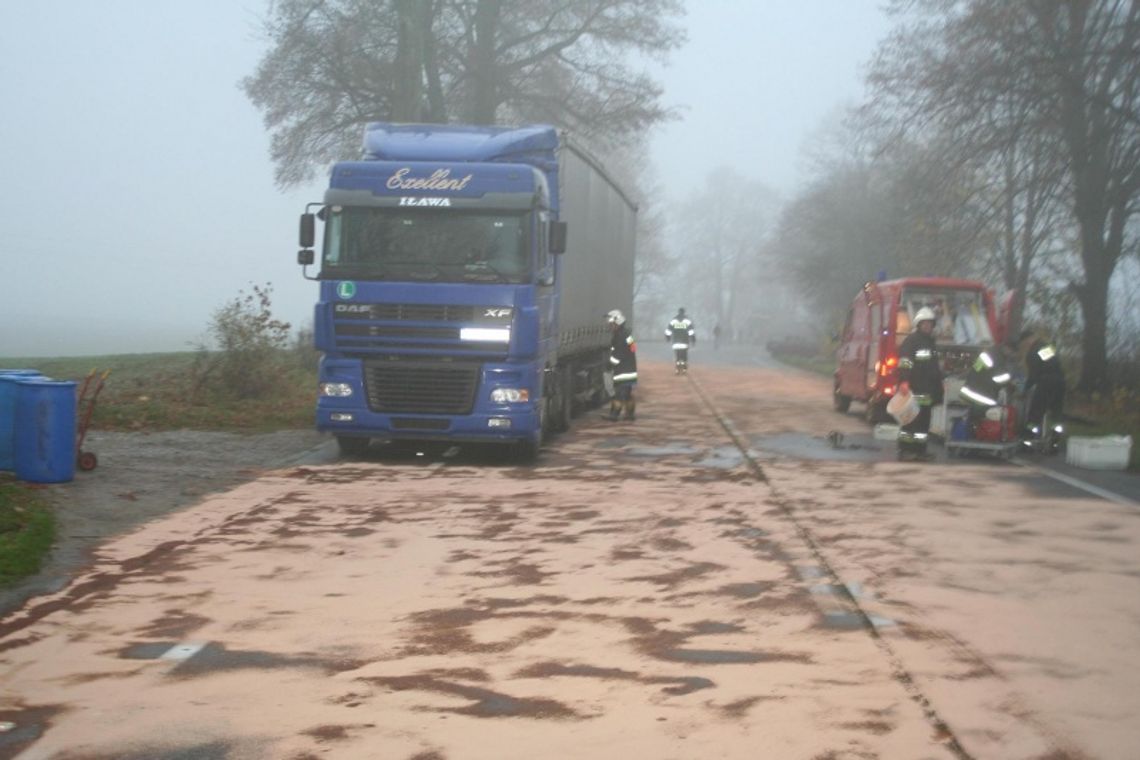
[{"x": 533, "y": 145}]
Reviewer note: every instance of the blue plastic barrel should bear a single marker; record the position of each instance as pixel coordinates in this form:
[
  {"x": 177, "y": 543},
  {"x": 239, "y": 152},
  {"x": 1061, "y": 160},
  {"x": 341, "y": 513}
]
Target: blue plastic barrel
[
  {"x": 8, "y": 378},
  {"x": 45, "y": 430}
]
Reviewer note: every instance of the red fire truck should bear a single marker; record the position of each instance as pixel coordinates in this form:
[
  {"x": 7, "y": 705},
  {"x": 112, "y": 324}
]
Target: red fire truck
[{"x": 880, "y": 318}]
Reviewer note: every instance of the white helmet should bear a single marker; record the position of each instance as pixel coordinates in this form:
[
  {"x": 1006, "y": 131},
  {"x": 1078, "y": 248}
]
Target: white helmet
[
  {"x": 925, "y": 314},
  {"x": 615, "y": 317}
]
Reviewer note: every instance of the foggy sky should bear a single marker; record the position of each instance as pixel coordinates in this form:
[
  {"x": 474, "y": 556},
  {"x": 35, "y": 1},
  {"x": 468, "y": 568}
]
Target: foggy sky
[{"x": 137, "y": 194}]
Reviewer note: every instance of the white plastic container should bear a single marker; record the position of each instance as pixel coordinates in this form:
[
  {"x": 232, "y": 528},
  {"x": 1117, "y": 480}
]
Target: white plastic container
[
  {"x": 903, "y": 407},
  {"x": 1110, "y": 452},
  {"x": 886, "y": 432}
]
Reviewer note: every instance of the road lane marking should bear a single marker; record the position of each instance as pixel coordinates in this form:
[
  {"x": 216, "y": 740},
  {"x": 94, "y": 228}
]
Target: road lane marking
[{"x": 1079, "y": 484}]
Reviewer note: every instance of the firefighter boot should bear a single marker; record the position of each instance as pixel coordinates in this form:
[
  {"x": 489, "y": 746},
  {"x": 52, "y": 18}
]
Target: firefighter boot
[
  {"x": 615, "y": 410},
  {"x": 630, "y": 408}
]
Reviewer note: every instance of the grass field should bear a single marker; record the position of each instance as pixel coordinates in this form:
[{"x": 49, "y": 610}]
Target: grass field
[
  {"x": 168, "y": 391},
  {"x": 147, "y": 392}
]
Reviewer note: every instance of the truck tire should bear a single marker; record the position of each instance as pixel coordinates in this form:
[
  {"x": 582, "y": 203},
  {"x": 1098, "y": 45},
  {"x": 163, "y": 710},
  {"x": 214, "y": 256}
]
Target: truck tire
[
  {"x": 526, "y": 451},
  {"x": 562, "y": 402},
  {"x": 839, "y": 401},
  {"x": 350, "y": 446}
]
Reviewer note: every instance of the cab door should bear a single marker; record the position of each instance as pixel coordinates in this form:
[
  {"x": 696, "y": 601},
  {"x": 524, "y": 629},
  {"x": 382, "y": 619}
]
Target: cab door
[
  {"x": 875, "y": 328},
  {"x": 855, "y": 351},
  {"x": 844, "y": 355}
]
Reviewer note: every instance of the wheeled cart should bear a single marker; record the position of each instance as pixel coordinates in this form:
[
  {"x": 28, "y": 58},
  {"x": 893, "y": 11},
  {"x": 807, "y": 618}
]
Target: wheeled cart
[
  {"x": 88, "y": 394},
  {"x": 959, "y": 444},
  {"x": 1000, "y": 450}
]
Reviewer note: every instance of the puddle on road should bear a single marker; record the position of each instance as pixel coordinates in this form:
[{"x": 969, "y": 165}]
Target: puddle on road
[
  {"x": 23, "y": 725},
  {"x": 679, "y": 685},
  {"x": 668, "y": 450},
  {"x": 855, "y": 447},
  {"x": 727, "y": 656},
  {"x": 484, "y": 703},
  {"x": 746, "y": 590},
  {"x": 711, "y": 627},
  {"x": 195, "y": 659},
  {"x": 843, "y": 621},
  {"x": 809, "y": 572},
  {"x": 725, "y": 457}
]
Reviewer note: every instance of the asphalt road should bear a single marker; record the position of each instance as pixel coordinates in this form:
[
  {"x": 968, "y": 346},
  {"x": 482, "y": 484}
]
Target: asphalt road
[{"x": 717, "y": 579}]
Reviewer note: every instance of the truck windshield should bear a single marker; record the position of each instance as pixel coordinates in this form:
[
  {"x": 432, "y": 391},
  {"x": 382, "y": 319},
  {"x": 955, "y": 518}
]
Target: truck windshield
[
  {"x": 960, "y": 316},
  {"x": 426, "y": 244}
]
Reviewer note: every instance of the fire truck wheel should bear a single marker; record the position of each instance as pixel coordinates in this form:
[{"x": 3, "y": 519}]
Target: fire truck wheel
[
  {"x": 876, "y": 413},
  {"x": 842, "y": 403}
]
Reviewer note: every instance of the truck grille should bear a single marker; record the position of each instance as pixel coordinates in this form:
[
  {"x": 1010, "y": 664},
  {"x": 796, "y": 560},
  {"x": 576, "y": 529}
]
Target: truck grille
[
  {"x": 410, "y": 312},
  {"x": 362, "y": 329},
  {"x": 421, "y": 387}
]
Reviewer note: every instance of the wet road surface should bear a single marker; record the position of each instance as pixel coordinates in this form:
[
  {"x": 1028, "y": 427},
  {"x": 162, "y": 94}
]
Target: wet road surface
[{"x": 717, "y": 579}]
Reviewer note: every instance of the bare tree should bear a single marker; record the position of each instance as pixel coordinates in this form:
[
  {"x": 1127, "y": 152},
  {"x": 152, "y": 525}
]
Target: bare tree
[
  {"x": 1048, "y": 91},
  {"x": 655, "y": 261},
  {"x": 720, "y": 234},
  {"x": 335, "y": 64}
]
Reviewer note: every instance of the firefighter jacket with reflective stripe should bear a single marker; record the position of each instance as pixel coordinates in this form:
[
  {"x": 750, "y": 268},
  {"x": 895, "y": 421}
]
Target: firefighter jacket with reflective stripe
[
  {"x": 918, "y": 365},
  {"x": 623, "y": 356},
  {"x": 986, "y": 380},
  {"x": 1041, "y": 363},
  {"x": 680, "y": 332}
]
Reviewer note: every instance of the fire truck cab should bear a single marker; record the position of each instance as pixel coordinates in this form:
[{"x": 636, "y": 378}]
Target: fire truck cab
[{"x": 880, "y": 318}]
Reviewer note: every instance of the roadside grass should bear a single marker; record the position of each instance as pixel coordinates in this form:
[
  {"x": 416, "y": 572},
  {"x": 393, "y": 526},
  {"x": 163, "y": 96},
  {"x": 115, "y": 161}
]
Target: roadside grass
[
  {"x": 817, "y": 365},
  {"x": 148, "y": 392},
  {"x": 27, "y": 529},
  {"x": 170, "y": 392},
  {"x": 1115, "y": 413}
]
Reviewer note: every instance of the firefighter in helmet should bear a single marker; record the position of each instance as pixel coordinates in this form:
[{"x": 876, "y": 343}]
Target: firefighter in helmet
[
  {"x": 920, "y": 375},
  {"x": 623, "y": 364},
  {"x": 681, "y": 333},
  {"x": 1044, "y": 385}
]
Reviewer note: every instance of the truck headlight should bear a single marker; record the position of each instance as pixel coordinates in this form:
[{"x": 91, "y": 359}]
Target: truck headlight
[
  {"x": 510, "y": 395},
  {"x": 336, "y": 390},
  {"x": 486, "y": 334}
]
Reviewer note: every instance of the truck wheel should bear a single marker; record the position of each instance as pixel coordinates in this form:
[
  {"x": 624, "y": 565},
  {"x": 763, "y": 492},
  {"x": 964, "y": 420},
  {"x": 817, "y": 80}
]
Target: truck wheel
[
  {"x": 561, "y": 402},
  {"x": 350, "y": 446},
  {"x": 526, "y": 452},
  {"x": 842, "y": 403}
]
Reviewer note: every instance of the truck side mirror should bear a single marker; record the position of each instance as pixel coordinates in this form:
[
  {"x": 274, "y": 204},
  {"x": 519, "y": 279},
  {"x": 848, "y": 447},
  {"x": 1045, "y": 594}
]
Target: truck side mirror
[
  {"x": 305, "y": 257},
  {"x": 557, "y": 237},
  {"x": 308, "y": 230}
]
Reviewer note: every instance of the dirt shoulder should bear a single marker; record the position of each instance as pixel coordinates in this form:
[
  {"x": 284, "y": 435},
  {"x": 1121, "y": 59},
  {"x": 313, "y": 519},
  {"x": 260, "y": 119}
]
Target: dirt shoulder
[{"x": 141, "y": 476}]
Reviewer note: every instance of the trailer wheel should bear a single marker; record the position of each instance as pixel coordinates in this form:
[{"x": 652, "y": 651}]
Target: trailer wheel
[{"x": 86, "y": 461}]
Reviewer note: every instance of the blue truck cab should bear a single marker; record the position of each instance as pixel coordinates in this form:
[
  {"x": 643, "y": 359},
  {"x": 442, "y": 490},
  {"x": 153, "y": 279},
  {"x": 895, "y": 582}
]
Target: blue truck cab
[{"x": 444, "y": 310}]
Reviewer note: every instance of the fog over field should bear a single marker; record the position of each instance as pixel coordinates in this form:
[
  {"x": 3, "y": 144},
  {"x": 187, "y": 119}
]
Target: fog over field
[{"x": 138, "y": 194}]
